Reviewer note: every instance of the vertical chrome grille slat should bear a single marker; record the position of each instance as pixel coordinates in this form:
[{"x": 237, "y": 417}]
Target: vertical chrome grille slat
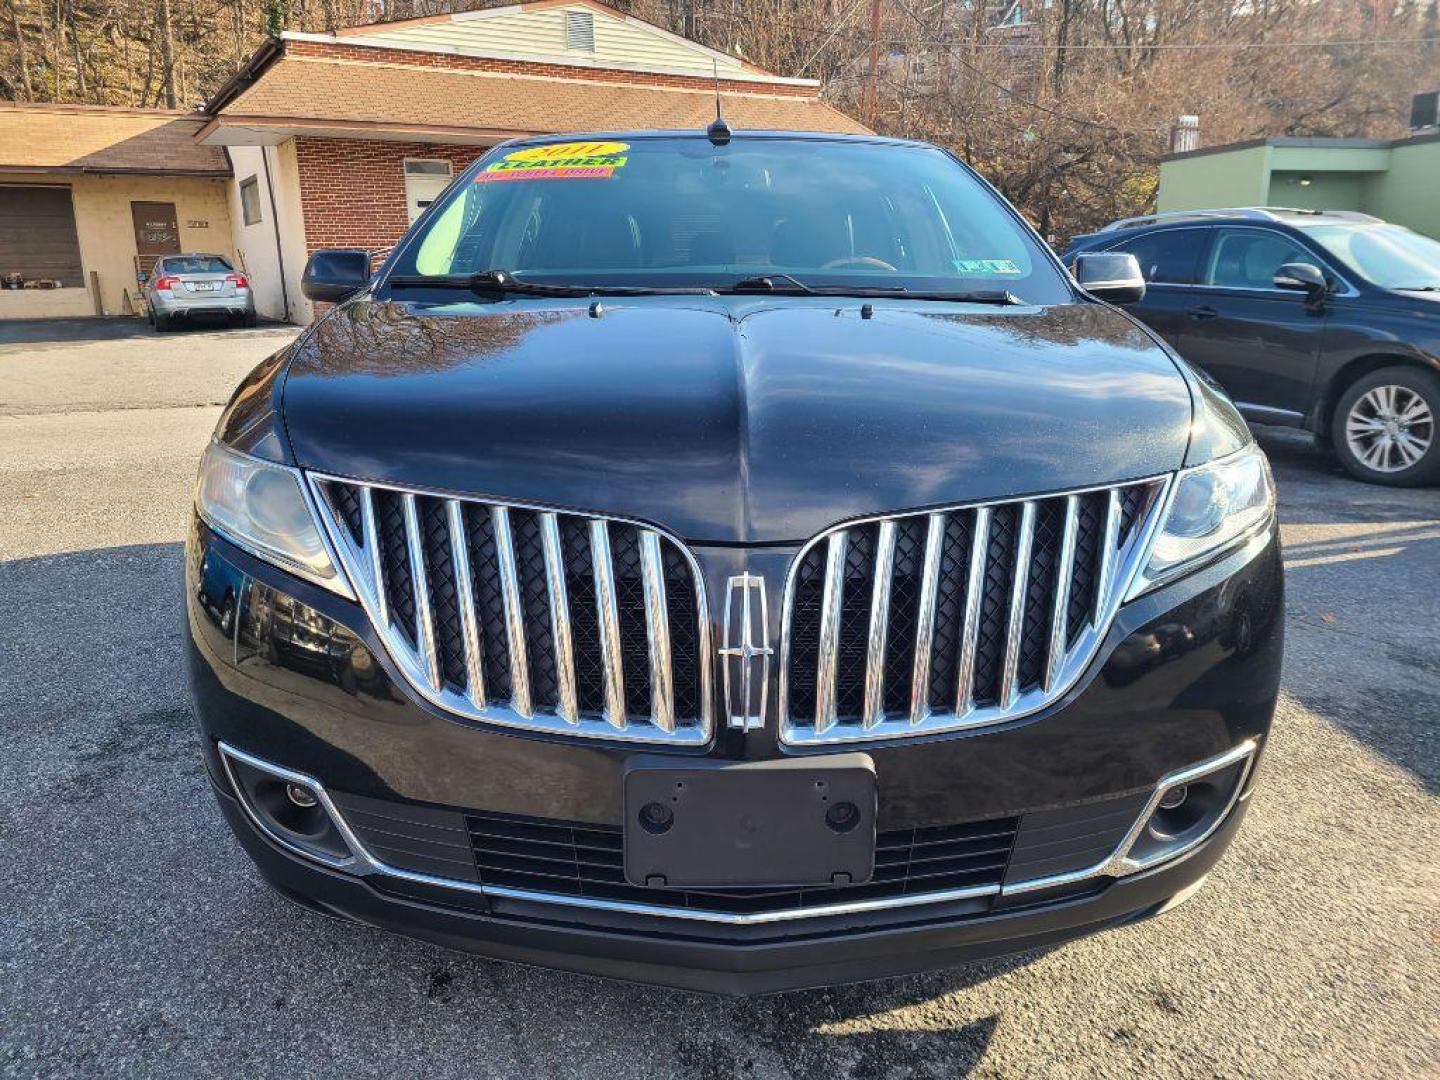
[
  {"x": 874, "y": 707},
  {"x": 1109, "y": 542},
  {"x": 657, "y": 620},
  {"x": 1065, "y": 567},
  {"x": 608, "y": 613},
  {"x": 566, "y": 706},
  {"x": 465, "y": 598},
  {"x": 1019, "y": 582},
  {"x": 373, "y": 555},
  {"x": 424, "y": 619},
  {"x": 970, "y": 628},
  {"x": 520, "y": 699},
  {"x": 833, "y": 598},
  {"x": 925, "y": 626}
]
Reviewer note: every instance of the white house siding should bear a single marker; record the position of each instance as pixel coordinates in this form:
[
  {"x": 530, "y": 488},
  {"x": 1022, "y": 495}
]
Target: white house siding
[{"x": 540, "y": 34}]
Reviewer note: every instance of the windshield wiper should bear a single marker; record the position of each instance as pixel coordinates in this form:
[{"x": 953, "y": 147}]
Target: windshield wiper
[
  {"x": 766, "y": 283},
  {"x": 502, "y": 283},
  {"x": 785, "y": 285}
]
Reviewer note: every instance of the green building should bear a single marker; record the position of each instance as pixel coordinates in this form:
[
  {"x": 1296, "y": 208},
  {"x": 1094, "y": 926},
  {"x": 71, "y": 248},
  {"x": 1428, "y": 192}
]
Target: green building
[{"x": 1395, "y": 179}]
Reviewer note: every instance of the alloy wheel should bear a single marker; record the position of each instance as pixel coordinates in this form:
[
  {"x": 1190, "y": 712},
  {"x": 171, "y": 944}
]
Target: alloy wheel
[{"x": 1390, "y": 428}]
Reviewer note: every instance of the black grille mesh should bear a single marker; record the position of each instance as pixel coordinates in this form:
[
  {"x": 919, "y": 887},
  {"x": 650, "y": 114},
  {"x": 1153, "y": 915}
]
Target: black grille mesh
[
  {"x": 489, "y": 602},
  {"x": 630, "y": 600},
  {"x": 684, "y": 630},
  {"x": 576, "y": 859},
  {"x": 995, "y": 604},
  {"x": 347, "y": 504},
  {"x": 855, "y": 620},
  {"x": 399, "y": 583},
  {"x": 950, "y": 610},
  {"x": 444, "y": 599},
  {"x": 584, "y": 615}
]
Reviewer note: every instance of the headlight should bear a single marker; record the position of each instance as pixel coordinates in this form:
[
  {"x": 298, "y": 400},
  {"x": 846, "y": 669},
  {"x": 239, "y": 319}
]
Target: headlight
[
  {"x": 263, "y": 508},
  {"x": 1212, "y": 507}
]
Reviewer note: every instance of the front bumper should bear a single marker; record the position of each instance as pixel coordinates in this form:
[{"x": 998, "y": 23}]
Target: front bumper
[
  {"x": 796, "y": 959},
  {"x": 293, "y": 675}
]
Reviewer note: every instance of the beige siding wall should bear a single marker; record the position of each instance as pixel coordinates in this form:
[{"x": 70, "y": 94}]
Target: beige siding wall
[
  {"x": 293, "y": 245},
  {"x": 618, "y": 42},
  {"x": 106, "y": 231},
  {"x": 274, "y": 272}
]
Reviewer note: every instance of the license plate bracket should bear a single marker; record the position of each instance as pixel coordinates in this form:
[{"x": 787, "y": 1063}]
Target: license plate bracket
[{"x": 788, "y": 823}]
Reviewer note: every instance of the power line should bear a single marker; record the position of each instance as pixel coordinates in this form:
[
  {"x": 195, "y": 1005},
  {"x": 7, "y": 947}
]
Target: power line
[{"x": 1019, "y": 46}]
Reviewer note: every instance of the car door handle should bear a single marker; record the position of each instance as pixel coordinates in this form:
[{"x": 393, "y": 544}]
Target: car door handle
[{"x": 1204, "y": 311}]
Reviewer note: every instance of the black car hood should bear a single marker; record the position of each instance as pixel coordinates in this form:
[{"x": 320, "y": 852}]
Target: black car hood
[{"x": 734, "y": 419}]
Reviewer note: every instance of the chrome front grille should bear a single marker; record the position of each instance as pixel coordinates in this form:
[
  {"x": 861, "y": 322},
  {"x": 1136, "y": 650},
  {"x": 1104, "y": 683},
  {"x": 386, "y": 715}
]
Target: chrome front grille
[
  {"x": 526, "y": 616},
  {"x": 959, "y": 618}
]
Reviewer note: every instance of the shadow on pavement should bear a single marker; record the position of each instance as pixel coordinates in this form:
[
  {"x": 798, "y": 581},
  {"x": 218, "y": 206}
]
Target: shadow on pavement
[
  {"x": 1362, "y": 604},
  {"x": 82, "y": 331}
]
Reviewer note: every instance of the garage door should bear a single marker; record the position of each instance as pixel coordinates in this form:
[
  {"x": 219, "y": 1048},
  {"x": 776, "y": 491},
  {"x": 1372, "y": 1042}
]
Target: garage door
[{"x": 37, "y": 235}]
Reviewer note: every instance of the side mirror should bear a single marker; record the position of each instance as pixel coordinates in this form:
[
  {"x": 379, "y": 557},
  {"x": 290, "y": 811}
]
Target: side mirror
[
  {"x": 1113, "y": 276},
  {"x": 1302, "y": 277},
  {"x": 334, "y": 274}
]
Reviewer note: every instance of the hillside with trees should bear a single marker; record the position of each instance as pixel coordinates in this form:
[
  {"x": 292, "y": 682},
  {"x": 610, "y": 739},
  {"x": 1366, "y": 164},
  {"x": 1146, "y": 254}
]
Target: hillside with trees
[{"x": 1066, "y": 105}]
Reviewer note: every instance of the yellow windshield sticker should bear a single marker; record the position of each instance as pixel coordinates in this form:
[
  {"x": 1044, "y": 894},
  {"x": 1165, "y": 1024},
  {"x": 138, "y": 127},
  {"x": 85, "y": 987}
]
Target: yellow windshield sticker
[{"x": 558, "y": 161}]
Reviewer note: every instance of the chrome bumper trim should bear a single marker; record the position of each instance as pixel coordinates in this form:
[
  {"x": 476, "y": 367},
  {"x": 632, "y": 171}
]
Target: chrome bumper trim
[{"x": 1117, "y": 865}]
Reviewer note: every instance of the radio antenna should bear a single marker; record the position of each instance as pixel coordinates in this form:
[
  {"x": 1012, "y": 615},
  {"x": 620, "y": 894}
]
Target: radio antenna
[{"x": 719, "y": 131}]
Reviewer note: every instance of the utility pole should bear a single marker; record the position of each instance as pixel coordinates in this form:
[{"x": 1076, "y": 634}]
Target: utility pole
[{"x": 873, "y": 92}]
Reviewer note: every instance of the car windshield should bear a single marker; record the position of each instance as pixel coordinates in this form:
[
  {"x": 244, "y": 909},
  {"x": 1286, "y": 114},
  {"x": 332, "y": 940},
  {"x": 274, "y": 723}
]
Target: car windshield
[
  {"x": 677, "y": 211},
  {"x": 196, "y": 264},
  {"x": 1387, "y": 255}
]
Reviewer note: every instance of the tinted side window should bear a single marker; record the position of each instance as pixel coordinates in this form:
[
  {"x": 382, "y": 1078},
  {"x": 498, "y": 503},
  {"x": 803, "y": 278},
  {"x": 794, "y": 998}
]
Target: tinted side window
[
  {"x": 1168, "y": 258},
  {"x": 1248, "y": 258}
]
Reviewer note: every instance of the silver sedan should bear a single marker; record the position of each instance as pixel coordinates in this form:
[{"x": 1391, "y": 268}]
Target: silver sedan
[{"x": 182, "y": 286}]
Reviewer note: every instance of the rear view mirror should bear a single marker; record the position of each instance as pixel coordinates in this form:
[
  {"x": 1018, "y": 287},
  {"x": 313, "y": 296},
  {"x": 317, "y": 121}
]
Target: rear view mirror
[
  {"x": 1302, "y": 277},
  {"x": 334, "y": 274},
  {"x": 1113, "y": 276}
]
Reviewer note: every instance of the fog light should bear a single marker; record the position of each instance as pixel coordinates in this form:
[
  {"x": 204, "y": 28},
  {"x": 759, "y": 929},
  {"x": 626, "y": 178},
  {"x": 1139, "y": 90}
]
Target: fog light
[
  {"x": 288, "y": 807},
  {"x": 1174, "y": 796}
]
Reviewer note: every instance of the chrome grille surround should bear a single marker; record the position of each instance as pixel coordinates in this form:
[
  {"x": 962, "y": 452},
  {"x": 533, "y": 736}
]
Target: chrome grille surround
[
  {"x": 423, "y": 650},
  {"x": 1129, "y": 514}
]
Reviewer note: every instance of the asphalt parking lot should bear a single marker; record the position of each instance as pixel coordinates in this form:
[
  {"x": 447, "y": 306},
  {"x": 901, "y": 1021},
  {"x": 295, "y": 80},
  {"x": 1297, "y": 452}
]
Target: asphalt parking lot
[{"x": 136, "y": 939}]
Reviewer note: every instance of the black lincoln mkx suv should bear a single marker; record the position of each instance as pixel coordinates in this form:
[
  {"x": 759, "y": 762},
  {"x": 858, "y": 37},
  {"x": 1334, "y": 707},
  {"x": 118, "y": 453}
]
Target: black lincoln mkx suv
[{"x": 741, "y": 563}]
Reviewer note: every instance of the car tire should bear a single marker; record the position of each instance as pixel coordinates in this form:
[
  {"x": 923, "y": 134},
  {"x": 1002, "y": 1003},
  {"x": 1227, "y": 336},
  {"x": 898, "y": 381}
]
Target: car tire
[
  {"x": 163, "y": 323},
  {"x": 1386, "y": 427},
  {"x": 249, "y": 321}
]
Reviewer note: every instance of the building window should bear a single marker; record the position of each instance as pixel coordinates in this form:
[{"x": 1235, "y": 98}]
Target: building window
[
  {"x": 250, "y": 201},
  {"x": 580, "y": 31},
  {"x": 425, "y": 179}
]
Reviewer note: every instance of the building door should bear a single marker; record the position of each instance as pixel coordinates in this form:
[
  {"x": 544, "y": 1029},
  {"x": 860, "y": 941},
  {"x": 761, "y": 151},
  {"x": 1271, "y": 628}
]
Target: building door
[{"x": 157, "y": 232}]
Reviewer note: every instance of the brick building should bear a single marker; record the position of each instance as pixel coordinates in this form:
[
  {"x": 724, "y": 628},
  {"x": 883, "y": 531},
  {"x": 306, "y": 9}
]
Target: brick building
[{"x": 342, "y": 139}]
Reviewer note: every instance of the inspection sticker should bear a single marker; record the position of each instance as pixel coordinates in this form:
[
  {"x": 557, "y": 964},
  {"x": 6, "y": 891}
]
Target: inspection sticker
[
  {"x": 558, "y": 161},
  {"x": 998, "y": 267}
]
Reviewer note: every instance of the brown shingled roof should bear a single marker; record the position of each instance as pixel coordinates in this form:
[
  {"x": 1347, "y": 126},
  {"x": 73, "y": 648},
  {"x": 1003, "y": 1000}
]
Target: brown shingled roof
[
  {"x": 100, "y": 139},
  {"x": 396, "y": 97}
]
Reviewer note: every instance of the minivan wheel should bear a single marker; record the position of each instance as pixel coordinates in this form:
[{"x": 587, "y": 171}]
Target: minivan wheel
[{"x": 1384, "y": 428}]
